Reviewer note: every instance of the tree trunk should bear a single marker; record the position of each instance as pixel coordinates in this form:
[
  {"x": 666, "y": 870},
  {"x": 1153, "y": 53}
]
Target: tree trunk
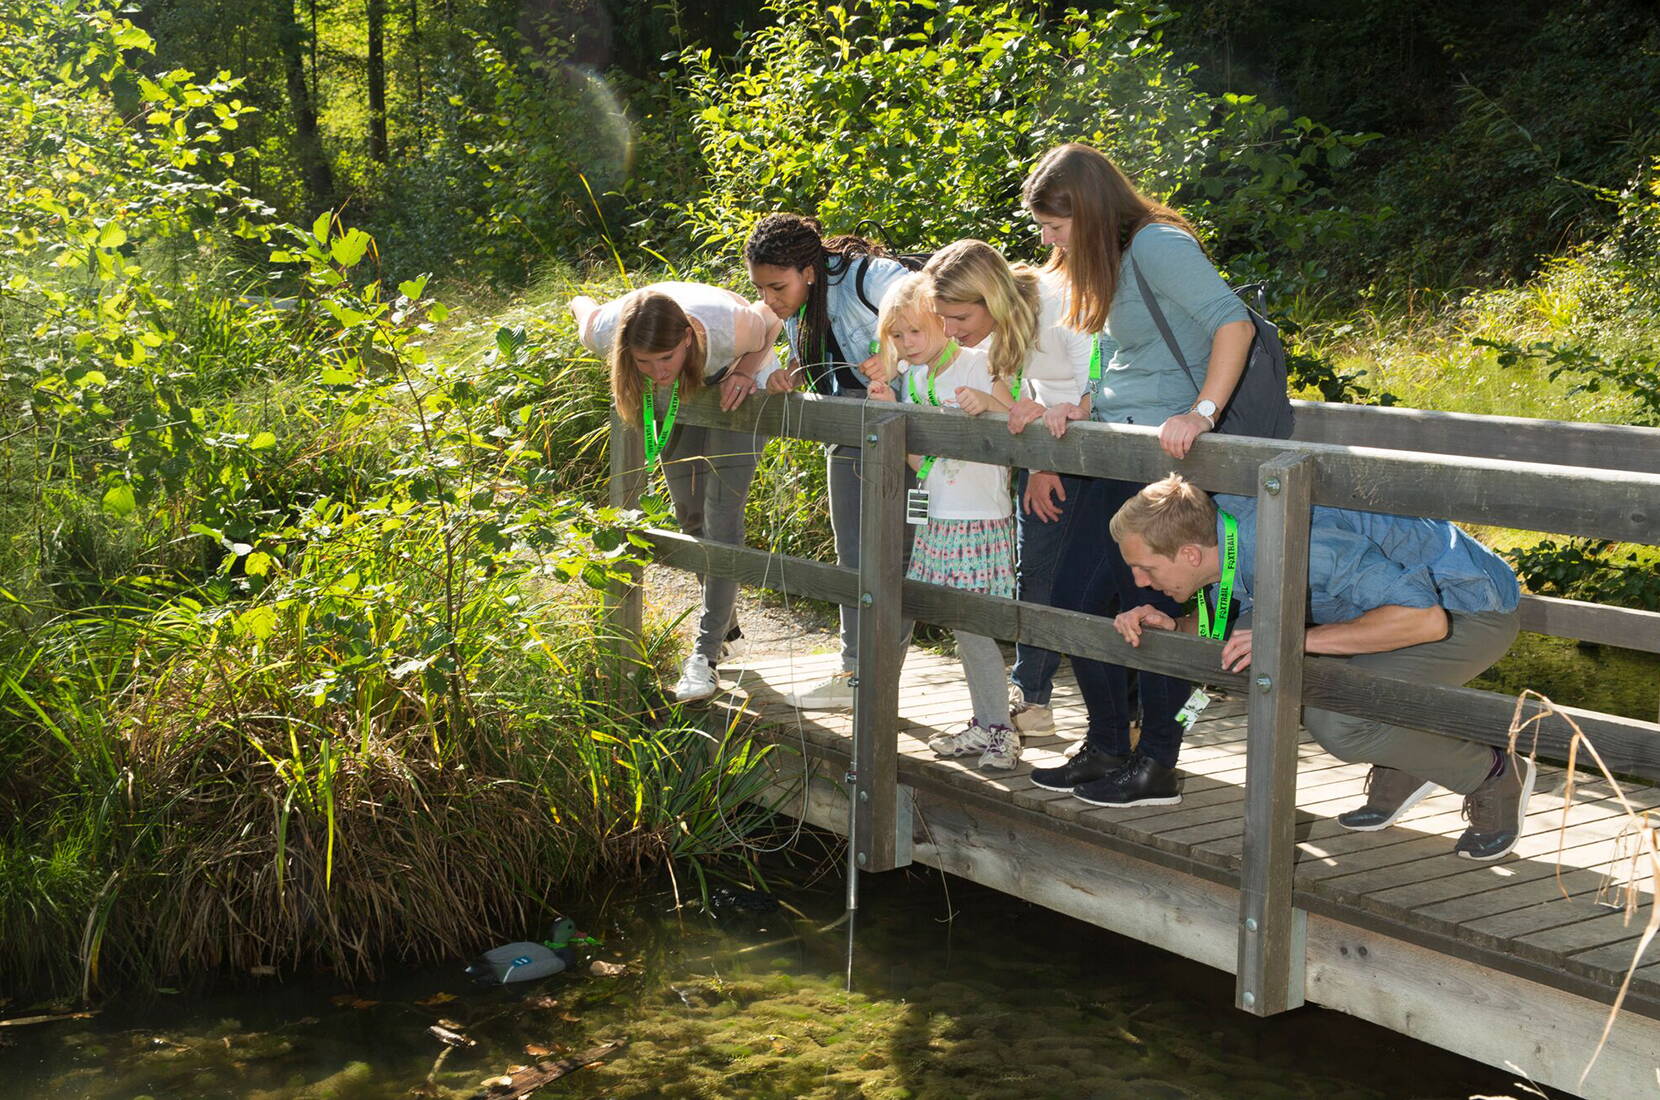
[
  {"x": 377, "y": 80},
  {"x": 315, "y": 172}
]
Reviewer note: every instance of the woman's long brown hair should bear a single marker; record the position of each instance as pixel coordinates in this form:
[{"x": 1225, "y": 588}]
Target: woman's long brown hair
[
  {"x": 654, "y": 322},
  {"x": 1079, "y": 182}
]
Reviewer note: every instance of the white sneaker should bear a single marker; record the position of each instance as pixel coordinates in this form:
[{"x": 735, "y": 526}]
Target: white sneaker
[
  {"x": 833, "y": 693},
  {"x": 697, "y": 680},
  {"x": 1002, "y": 750},
  {"x": 968, "y": 741},
  {"x": 1029, "y": 717}
]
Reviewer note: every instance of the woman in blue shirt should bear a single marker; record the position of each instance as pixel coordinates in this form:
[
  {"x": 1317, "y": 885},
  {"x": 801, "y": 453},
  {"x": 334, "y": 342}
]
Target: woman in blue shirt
[
  {"x": 827, "y": 293},
  {"x": 1102, "y": 230}
]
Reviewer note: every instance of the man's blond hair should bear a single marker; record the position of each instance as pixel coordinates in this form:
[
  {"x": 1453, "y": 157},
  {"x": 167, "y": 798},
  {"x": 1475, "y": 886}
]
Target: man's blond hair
[{"x": 1168, "y": 515}]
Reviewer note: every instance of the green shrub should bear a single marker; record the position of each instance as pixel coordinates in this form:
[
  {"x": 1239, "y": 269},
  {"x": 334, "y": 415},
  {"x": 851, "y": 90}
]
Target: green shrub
[{"x": 886, "y": 110}]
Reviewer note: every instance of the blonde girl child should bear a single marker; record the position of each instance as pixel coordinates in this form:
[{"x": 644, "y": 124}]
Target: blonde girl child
[
  {"x": 663, "y": 343},
  {"x": 968, "y": 541}
]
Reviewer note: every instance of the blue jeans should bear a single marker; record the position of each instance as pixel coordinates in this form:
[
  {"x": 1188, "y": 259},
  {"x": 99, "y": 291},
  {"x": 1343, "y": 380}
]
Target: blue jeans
[
  {"x": 1041, "y": 543},
  {"x": 1094, "y": 578}
]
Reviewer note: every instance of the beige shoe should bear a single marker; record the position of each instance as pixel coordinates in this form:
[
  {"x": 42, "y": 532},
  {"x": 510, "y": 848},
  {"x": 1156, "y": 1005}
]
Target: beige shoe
[
  {"x": 1029, "y": 717},
  {"x": 833, "y": 693}
]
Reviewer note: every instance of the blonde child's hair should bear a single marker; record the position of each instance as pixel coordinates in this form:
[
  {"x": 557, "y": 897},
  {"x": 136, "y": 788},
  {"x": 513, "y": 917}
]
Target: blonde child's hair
[
  {"x": 653, "y": 321},
  {"x": 974, "y": 272},
  {"x": 1167, "y": 515},
  {"x": 907, "y": 299}
]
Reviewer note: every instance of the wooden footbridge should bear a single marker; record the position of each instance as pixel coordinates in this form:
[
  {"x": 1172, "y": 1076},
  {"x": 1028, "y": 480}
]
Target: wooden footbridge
[{"x": 1515, "y": 963}]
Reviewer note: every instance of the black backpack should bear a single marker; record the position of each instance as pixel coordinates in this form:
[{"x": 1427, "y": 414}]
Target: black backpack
[
  {"x": 911, "y": 261},
  {"x": 1260, "y": 405}
]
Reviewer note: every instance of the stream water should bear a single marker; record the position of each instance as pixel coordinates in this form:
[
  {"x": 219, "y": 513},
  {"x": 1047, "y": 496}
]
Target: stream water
[{"x": 959, "y": 992}]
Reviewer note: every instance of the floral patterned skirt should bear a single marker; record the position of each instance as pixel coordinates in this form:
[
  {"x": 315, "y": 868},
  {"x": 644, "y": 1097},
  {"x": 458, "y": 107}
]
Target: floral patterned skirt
[{"x": 976, "y": 555}]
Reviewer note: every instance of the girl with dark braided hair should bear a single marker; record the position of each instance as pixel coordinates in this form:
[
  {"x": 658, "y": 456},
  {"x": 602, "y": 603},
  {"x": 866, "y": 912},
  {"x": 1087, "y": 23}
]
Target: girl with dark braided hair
[{"x": 827, "y": 293}]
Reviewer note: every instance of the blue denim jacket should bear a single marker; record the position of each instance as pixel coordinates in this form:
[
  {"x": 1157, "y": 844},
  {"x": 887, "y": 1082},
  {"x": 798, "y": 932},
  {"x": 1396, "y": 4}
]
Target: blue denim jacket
[
  {"x": 851, "y": 320},
  {"x": 1360, "y": 561}
]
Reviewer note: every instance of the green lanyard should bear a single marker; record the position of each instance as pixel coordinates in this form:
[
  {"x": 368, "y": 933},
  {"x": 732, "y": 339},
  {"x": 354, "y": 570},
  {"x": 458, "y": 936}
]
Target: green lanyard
[
  {"x": 1094, "y": 368},
  {"x": 933, "y": 399},
  {"x": 1224, "y": 591},
  {"x": 657, "y": 439}
]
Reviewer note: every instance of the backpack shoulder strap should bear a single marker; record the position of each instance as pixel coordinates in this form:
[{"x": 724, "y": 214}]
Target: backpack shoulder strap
[
  {"x": 1152, "y": 301},
  {"x": 859, "y": 285}
]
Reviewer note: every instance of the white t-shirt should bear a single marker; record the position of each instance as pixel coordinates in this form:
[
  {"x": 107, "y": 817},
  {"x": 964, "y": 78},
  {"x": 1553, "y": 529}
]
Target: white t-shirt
[
  {"x": 958, "y": 489},
  {"x": 1057, "y": 368},
  {"x": 731, "y": 326}
]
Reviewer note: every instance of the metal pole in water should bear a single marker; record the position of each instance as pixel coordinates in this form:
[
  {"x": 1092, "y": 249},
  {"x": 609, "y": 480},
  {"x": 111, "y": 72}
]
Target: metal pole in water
[{"x": 852, "y": 779}]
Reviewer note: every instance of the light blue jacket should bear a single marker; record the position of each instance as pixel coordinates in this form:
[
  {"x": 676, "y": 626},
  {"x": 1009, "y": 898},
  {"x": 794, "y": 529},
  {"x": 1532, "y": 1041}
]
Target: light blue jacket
[
  {"x": 1360, "y": 561},
  {"x": 852, "y": 320},
  {"x": 1141, "y": 382}
]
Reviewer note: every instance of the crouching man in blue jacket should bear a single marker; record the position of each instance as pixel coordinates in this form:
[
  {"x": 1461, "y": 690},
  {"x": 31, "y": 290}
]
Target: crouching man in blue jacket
[{"x": 1414, "y": 599}]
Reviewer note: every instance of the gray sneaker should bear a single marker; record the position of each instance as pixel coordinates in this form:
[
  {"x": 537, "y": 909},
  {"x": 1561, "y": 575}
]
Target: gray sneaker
[
  {"x": 971, "y": 740},
  {"x": 1390, "y": 792},
  {"x": 1002, "y": 750},
  {"x": 1497, "y": 810}
]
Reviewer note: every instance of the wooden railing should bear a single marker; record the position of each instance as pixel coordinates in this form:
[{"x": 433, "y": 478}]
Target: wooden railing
[{"x": 1441, "y": 478}]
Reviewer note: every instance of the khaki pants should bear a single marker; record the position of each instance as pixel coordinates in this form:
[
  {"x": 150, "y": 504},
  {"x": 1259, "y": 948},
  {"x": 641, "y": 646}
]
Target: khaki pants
[{"x": 1474, "y": 642}]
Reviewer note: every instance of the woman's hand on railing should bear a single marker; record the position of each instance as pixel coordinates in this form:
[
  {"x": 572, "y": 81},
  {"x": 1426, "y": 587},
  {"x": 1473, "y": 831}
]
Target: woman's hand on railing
[
  {"x": 880, "y": 391},
  {"x": 1044, "y": 493},
  {"x": 735, "y": 388},
  {"x": 1177, "y": 434},
  {"x": 1131, "y": 623},
  {"x": 1057, "y": 417},
  {"x": 1022, "y": 414}
]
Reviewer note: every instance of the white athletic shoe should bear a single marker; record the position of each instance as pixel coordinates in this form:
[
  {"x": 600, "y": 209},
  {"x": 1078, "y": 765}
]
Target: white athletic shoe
[
  {"x": 1002, "y": 750},
  {"x": 833, "y": 693},
  {"x": 697, "y": 680},
  {"x": 971, "y": 740}
]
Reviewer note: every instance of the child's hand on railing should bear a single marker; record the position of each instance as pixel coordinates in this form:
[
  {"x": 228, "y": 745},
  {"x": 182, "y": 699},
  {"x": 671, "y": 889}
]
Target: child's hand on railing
[
  {"x": 1022, "y": 413},
  {"x": 877, "y": 369},
  {"x": 974, "y": 402},
  {"x": 880, "y": 391}
]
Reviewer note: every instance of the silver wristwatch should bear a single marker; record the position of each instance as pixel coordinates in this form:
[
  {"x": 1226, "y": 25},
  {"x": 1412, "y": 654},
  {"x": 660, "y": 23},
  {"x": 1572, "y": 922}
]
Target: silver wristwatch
[{"x": 1207, "y": 409}]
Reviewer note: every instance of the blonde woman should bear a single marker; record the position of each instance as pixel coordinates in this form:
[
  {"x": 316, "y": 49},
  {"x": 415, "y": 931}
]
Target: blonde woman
[
  {"x": 1016, "y": 314},
  {"x": 663, "y": 343}
]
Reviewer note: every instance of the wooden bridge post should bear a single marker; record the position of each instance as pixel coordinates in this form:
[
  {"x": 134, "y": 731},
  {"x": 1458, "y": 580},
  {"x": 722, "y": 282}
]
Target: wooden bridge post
[
  {"x": 878, "y": 802},
  {"x": 623, "y": 603},
  {"x": 1269, "y": 977}
]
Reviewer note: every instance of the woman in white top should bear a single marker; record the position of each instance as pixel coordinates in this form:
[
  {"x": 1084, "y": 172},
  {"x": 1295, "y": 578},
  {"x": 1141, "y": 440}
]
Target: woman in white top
[
  {"x": 1017, "y": 313},
  {"x": 663, "y": 342}
]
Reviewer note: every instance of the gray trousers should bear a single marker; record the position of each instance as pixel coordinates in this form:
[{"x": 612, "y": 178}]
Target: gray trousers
[
  {"x": 1473, "y": 643},
  {"x": 987, "y": 676},
  {"x": 708, "y": 471}
]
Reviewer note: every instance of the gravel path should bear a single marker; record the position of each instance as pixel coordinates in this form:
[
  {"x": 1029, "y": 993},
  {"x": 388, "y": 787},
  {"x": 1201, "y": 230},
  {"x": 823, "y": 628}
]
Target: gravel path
[{"x": 770, "y": 623}]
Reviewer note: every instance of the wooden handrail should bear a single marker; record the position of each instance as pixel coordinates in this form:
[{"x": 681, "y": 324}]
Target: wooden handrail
[{"x": 1499, "y": 492}]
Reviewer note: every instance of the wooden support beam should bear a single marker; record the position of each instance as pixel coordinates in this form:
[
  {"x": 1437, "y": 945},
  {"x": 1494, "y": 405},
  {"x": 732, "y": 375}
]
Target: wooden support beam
[
  {"x": 1624, "y": 627},
  {"x": 624, "y": 607},
  {"x": 882, "y": 531},
  {"x": 1271, "y": 933}
]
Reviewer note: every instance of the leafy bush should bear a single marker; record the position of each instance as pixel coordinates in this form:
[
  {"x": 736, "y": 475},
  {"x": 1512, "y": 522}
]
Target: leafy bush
[
  {"x": 925, "y": 119},
  {"x": 1593, "y": 570}
]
